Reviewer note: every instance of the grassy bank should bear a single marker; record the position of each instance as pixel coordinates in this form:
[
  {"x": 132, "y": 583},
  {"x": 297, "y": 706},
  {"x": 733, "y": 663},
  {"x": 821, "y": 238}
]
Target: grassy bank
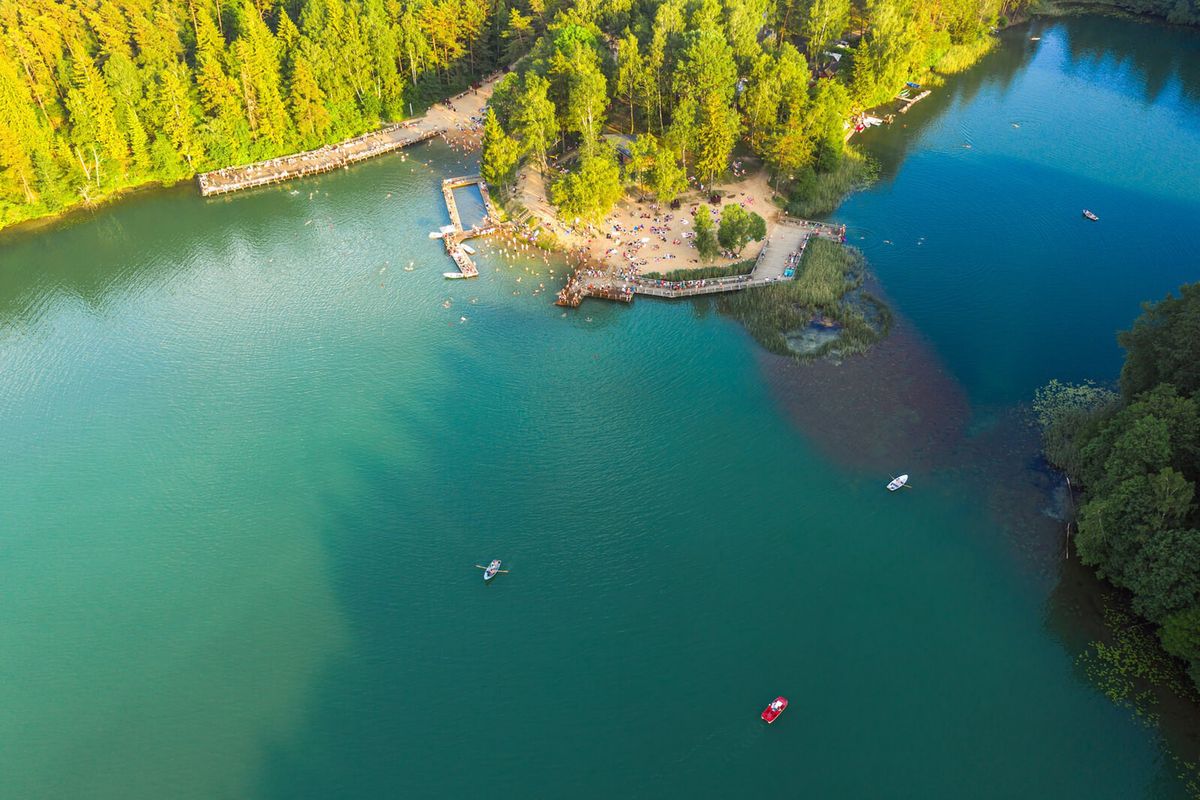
[
  {"x": 813, "y": 194},
  {"x": 700, "y": 273},
  {"x": 1175, "y": 13},
  {"x": 961, "y": 57},
  {"x": 823, "y": 312}
]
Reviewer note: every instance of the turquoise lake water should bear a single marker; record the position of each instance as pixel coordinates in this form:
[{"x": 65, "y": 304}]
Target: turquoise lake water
[{"x": 253, "y": 460}]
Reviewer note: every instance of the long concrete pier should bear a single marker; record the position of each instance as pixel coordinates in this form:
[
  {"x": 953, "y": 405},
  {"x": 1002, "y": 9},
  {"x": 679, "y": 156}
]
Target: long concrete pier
[{"x": 314, "y": 162}]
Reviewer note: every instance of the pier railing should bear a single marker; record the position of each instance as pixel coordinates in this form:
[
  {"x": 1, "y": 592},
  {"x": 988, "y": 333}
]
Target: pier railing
[
  {"x": 452, "y": 241},
  {"x": 710, "y": 286},
  {"x": 313, "y": 162}
]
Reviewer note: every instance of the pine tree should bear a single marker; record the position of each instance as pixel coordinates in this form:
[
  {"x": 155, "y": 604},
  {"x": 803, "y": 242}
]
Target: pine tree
[
  {"x": 668, "y": 179},
  {"x": 98, "y": 143},
  {"x": 535, "y": 120},
  {"x": 705, "y": 241},
  {"x": 500, "y": 152},
  {"x": 707, "y": 75},
  {"x": 590, "y": 192},
  {"x": 822, "y": 23},
  {"x": 256, "y": 54},
  {"x": 179, "y": 117},
  {"x": 19, "y": 129},
  {"x": 630, "y": 73},
  {"x": 307, "y": 103}
]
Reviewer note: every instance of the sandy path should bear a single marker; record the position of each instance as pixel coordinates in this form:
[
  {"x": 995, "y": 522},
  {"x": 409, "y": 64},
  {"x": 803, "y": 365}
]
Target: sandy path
[{"x": 461, "y": 116}]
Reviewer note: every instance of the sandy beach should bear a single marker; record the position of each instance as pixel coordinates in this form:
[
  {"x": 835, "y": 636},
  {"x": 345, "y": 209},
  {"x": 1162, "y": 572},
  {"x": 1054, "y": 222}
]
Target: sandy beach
[{"x": 646, "y": 236}]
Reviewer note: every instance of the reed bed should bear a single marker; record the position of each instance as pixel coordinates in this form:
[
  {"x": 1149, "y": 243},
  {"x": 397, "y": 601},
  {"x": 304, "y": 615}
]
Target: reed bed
[
  {"x": 829, "y": 288},
  {"x": 700, "y": 273},
  {"x": 815, "y": 193}
]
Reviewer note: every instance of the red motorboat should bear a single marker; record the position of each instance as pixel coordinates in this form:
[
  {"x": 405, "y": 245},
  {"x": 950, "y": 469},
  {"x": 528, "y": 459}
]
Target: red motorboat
[{"x": 772, "y": 712}]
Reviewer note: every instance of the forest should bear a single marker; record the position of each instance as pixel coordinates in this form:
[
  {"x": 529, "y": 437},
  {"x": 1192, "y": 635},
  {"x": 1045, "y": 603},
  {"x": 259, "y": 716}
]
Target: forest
[
  {"x": 692, "y": 83},
  {"x": 1136, "y": 456},
  {"x": 97, "y": 96}
]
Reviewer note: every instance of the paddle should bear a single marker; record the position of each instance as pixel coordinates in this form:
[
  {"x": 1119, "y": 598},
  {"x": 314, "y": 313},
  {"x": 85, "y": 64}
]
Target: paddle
[{"x": 480, "y": 566}]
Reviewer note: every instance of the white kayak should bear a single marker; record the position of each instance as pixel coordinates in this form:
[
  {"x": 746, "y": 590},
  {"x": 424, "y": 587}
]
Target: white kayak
[{"x": 896, "y": 483}]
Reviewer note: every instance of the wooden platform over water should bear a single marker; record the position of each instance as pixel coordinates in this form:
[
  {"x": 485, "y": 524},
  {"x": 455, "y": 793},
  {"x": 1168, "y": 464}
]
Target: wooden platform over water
[
  {"x": 314, "y": 162},
  {"x": 453, "y": 241},
  {"x": 909, "y": 102},
  {"x": 790, "y": 237}
]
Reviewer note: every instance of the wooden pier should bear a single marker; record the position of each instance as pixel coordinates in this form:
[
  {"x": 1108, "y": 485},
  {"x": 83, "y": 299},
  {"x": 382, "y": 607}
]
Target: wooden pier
[
  {"x": 790, "y": 237},
  {"x": 909, "y": 102},
  {"x": 453, "y": 241},
  {"x": 314, "y": 162}
]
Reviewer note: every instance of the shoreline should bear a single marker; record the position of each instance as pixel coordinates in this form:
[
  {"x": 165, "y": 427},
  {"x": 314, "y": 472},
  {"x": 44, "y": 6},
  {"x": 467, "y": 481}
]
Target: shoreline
[
  {"x": 1050, "y": 11},
  {"x": 440, "y": 113}
]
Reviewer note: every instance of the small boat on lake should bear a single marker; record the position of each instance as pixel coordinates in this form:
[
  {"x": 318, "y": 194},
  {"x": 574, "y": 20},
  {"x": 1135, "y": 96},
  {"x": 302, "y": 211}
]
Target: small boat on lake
[
  {"x": 453, "y": 275},
  {"x": 490, "y": 570},
  {"x": 772, "y": 712},
  {"x": 1090, "y": 215},
  {"x": 896, "y": 483},
  {"x": 468, "y": 249}
]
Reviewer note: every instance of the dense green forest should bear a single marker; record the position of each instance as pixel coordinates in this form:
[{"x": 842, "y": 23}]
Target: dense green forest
[
  {"x": 694, "y": 80},
  {"x": 1136, "y": 455},
  {"x": 100, "y": 95}
]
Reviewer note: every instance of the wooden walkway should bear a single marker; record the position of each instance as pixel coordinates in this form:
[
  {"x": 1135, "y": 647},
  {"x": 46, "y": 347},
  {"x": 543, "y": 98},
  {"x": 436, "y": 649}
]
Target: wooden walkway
[
  {"x": 909, "y": 102},
  {"x": 769, "y": 267},
  {"x": 707, "y": 286},
  {"x": 453, "y": 241},
  {"x": 314, "y": 162}
]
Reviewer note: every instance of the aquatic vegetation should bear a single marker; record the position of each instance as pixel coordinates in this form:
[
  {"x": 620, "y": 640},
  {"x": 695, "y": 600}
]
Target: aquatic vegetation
[
  {"x": 814, "y": 192},
  {"x": 961, "y": 57},
  {"x": 699, "y": 273},
  {"x": 1137, "y": 458},
  {"x": 1131, "y": 667},
  {"x": 823, "y": 312}
]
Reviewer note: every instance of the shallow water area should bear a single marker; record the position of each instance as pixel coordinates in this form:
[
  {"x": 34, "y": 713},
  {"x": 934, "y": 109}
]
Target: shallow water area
[{"x": 470, "y": 206}]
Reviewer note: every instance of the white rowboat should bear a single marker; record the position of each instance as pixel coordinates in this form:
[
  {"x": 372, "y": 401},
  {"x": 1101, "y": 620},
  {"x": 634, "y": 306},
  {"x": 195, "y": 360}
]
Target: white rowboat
[{"x": 896, "y": 483}]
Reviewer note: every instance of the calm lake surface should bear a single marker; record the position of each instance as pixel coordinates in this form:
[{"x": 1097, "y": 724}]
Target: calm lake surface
[{"x": 251, "y": 460}]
